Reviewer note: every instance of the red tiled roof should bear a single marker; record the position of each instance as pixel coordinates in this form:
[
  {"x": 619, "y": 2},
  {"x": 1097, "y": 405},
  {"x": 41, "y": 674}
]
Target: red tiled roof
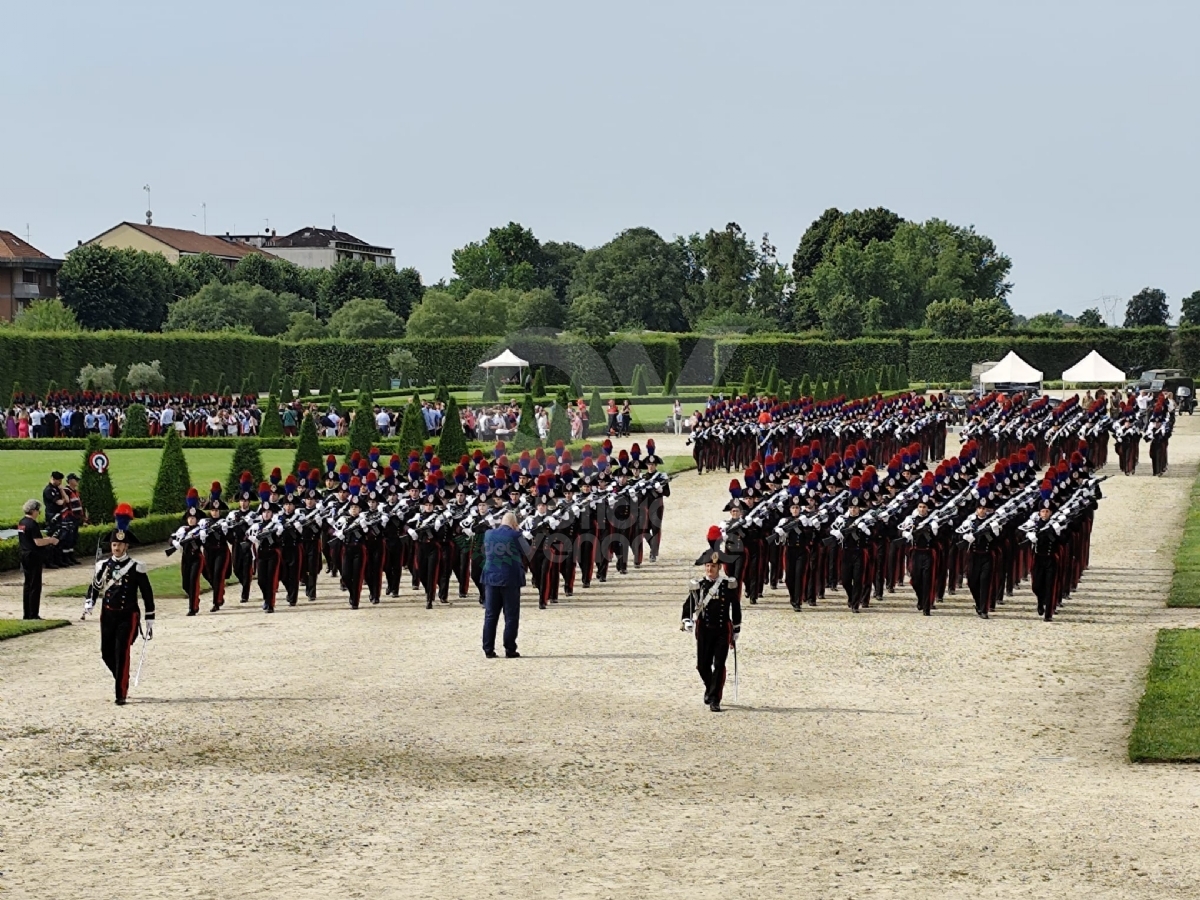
[
  {"x": 13, "y": 247},
  {"x": 194, "y": 242}
]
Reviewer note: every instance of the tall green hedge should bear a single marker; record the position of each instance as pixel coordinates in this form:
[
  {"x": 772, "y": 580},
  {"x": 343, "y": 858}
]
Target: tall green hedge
[
  {"x": 34, "y": 359},
  {"x": 1131, "y": 349},
  {"x": 792, "y": 358}
]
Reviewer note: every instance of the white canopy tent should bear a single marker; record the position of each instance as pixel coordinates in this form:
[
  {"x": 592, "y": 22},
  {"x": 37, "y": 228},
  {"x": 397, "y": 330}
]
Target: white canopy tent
[
  {"x": 1011, "y": 370},
  {"x": 506, "y": 360},
  {"x": 1094, "y": 369}
]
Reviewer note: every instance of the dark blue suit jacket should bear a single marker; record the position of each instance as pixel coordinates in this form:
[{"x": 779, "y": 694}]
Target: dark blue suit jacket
[{"x": 503, "y": 557}]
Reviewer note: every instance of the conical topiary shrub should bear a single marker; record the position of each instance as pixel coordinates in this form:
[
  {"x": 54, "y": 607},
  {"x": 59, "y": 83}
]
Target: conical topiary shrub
[
  {"x": 560, "y": 420},
  {"x": 309, "y": 447},
  {"x": 171, "y": 485},
  {"x": 412, "y": 429},
  {"x": 95, "y": 488},
  {"x": 246, "y": 458},
  {"x": 452, "y": 445},
  {"x": 137, "y": 424}
]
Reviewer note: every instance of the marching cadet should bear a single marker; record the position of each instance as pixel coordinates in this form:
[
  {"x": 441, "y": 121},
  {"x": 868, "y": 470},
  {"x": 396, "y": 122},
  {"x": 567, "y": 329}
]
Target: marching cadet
[
  {"x": 217, "y": 554},
  {"x": 979, "y": 572},
  {"x": 116, "y": 585},
  {"x": 923, "y": 538},
  {"x": 854, "y": 547},
  {"x": 1046, "y": 541},
  {"x": 310, "y": 542},
  {"x": 289, "y": 546},
  {"x": 713, "y": 611},
  {"x": 657, "y": 504},
  {"x": 795, "y": 540},
  {"x": 353, "y": 564},
  {"x": 265, "y": 537},
  {"x": 242, "y": 518},
  {"x": 430, "y": 537},
  {"x": 189, "y": 542},
  {"x": 374, "y": 522}
]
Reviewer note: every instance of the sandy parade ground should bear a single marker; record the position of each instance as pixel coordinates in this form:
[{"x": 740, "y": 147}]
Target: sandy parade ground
[{"x": 329, "y": 753}]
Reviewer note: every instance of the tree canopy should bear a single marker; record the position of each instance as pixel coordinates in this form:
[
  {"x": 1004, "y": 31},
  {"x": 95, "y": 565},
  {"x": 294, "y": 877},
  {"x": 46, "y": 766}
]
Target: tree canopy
[
  {"x": 365, "y": 318},
  {"x": 1147, "y": 307},
  {"x": 237, "y": 306}
]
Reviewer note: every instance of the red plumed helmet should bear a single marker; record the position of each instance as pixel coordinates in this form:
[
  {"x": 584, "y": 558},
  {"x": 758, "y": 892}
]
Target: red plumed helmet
[
  {"x": 856, "y": 483},
  {"x": 714, "y": 533}
]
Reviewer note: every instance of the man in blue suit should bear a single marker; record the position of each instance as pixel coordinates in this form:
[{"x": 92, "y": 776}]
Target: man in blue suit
[{"x": 504, "y": 553}]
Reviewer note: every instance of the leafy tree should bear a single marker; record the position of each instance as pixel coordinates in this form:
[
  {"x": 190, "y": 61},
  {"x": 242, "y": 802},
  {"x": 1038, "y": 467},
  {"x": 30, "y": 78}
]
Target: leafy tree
[
  {"x": 557, "y": 267},
  {"x": 843, "y": 318},
  {"x": 304, "y": 326},
  {"x": 402, "y": 364},
  {"x": 272, "y": 422},
  {"x": 146, "y": 377},
  {"x": 95, "y": 488},
  {"x": 990, "y": 317},
  {"x": 1090, "y": 318},
  {"x": 98, "y": 378},
  {"x": 1044, "y": 322},
  {"x": 560, "y": 420},
  {"x": 452, "y": 445},
  {"x": 1189, "y": 316},
  {"x": 365, "y": 318},
  {"x": 835, "y": 227},
  {"x": 204, "y": 268},
  {"x": 137, "y": 423},
  {"x": 727, "y": 262},
  {"x": 590, "y": 315},
  {"x": 510, "y": 257},
  {"x": 246, "y": 458},
  {"x": 1147, "y": 307},
  {"x": 538, "y": 308},
  {"x": 308, "y": 449},
  {"x": 234, "y": 307},
  {"x": 412, "y": 428},
  {"x": 259, "y": 269},
  {"x": 949, "y": 318},
  {"x": 46, "y": 315},
  {"x": 94, "y": 283},
  {"x": 171, "y": 485},
  {"x": 728, "y": 321},
  {"x": 643, "y": 277},
  {"x": 348, "y": 279},
  {"x": 440, "y": 314}
]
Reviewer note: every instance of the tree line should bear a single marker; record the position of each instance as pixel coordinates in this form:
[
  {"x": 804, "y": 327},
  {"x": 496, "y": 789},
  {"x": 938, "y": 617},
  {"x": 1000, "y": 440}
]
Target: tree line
[{"x": 853, "y": 273}]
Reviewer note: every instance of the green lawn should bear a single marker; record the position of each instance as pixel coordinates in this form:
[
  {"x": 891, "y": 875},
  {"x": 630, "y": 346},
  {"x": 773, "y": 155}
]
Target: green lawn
[
  {"x": 1168, "y": 720},
  {"x": 1185, "y": 585},
  {"x": 25, "y": 472},
  {"x": 165, "y": 580},
  {"x": 14, "y": 628}
]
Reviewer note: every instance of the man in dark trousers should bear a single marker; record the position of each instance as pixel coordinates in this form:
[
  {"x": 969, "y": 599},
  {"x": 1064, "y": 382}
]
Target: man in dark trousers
[
  {"x": 712, "y": 608},
  {"x": 116, "y": 585},
  {"x": 30, "y": 544},
  {"x": 504, "y": 555},
  {"x": 54, "y": 501}
]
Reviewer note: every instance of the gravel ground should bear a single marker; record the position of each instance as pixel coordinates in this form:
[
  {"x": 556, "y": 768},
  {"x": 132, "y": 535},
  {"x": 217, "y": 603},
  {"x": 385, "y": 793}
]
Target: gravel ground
[{"x": 328, "y": 753}]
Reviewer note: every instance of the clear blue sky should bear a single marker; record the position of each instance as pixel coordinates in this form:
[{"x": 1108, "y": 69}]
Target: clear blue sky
[{"x": 1060, "y": 129}]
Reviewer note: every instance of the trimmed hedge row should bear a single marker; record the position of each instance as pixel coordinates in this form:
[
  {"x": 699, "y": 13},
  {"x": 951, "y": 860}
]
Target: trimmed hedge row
[
  {"x": 148, "y": 530},
  {"x": 1132, "y": 349},
  {"x": 328, "y": 445},
  {"x": 33, "y": 360}
]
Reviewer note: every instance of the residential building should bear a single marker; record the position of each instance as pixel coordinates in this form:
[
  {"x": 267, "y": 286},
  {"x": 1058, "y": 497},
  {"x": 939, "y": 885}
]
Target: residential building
[
  {"x": 323, "y": 248},
  {"x": 174, "y": 243},
  {"x": 26, "y": 274}
]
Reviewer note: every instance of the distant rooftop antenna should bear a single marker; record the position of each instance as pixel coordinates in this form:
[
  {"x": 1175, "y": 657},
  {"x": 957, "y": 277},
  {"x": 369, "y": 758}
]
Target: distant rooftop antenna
[
  {"x": 149, "y": 213},
  {"x": 27, "y": 232}
]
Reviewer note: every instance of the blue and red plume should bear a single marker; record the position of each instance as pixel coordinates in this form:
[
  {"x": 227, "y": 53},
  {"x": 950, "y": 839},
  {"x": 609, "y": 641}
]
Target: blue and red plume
[
  {"x": 193, "y": 499},
  {"x": 264, "y": 492},
  {"x": 276, "y": 476},
  {"x": 330, "y": 463},
  {"x": 735, "y": 488},
  {"x": 355, "y": 486},
  {"x": 123, "y": 515},
  {"x": 214, "y": 491}
]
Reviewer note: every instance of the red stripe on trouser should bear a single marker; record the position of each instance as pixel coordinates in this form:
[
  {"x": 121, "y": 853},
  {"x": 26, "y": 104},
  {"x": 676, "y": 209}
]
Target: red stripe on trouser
[
  {"x": 195, "y": 598},
  {"x": 123, "y": 678},
  {"x": 275, "y": 577}
]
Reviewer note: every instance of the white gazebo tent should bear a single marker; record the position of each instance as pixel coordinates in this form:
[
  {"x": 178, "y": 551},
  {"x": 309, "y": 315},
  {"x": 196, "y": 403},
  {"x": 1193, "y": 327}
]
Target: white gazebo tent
[
  {"x": 1094, "y": 369},
  {"x": 1011, "y": 370},
  {"x": 506, "y": 360}
]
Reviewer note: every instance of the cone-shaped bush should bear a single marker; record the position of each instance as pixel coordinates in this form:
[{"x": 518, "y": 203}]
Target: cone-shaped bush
[
  {"x": 309, "y": 448},
  {"x": 528, "y": 423},
  {"x": 490, "y": 393},
  {"x": 750, "y": 381},
  {"x": 539, "y": 382},
  {"x": 194, "y": 390},
  {"x": 95, "y": 488},
  {"x": 453, "y": 442},
  {"x": 137, "y": 425},
  {"x": 335, "y": 400},
  {"x": 272, "y": 423},
  {"x": 274, "y": 388},
  {"x": 363, "y": 432},
  {"x": 323, "y": 385},
  {"x": 412, "y": 429},
  {"x": 16, "y": 392},
  {"x": 668, "y": 388},
  {"x": 246, "y": 458},
  {"x": 576, "y": 386},
  {"x": 171, "y": 485},
  {"x": 772, "y": 381},
  {"x": 441, "y": 392},
  {"x": 597, "y": 417},
  {"x": 560, "y": 421}
]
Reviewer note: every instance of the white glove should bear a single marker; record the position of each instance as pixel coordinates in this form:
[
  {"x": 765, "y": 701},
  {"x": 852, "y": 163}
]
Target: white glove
[
  {"x": 686, "y": 625},
  {"x": 864, "y": 528},
  {"x": 883, "y": 517},
  {"x": 149, "y": 629},
  {"x": 412, "y": 534},
  {"x": 933, "y": 527},
  {"x": 996, "y": 529},
  {"x": 779, "y": 530},
  {"x": 907, "y": 535},
  {"x": 970, "y": 538},
  {"x": 1057, "y": 528}
]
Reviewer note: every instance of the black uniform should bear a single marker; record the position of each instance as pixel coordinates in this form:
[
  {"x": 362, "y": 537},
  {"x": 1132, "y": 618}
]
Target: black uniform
[
  {"x": 715, "y": 626},
  {"x": 116, "y": 585},
  {"x": 31, "y": 564}
]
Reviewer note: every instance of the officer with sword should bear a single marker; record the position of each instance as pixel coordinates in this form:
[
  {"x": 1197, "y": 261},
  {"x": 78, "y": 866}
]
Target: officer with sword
[{"x": 714, "y": 612}]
